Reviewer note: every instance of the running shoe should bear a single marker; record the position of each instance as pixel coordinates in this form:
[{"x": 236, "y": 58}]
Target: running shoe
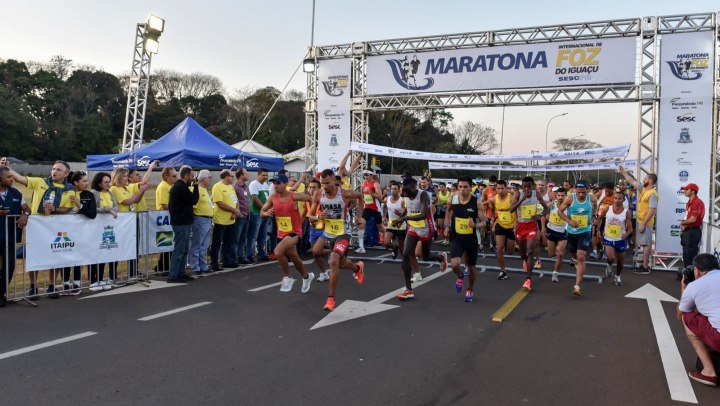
[
  {"x": 359, "y": 275},
  {"x": 594, "y": 254},
  {"x": 459, "y": 285},
  {"x": 443, "y": 261},
  {"x": 576, "y": 291},
  {"x": 360, "y": 250},
  {"x": 107, "y": 285},
  {"x": 417, "y": 277},
  {"x": 51, "y": 292},
  {"x": 465, "y": 271},
  {"x": 527, "y": 285},
  {"x": 538, "y": 264},
  {"x": 618, "y": 281},
  {"x": 96, "y": 286},
  {"x": 608, "y": 271},
  {"x": 468, "y": 295},
  {"x": 555, "y": 277},
  {"x": 502, "y": 276},
  {"x": 306, "y": 282},
  {"x": 407, "y": 294},
  {"x": 324, "y": 276},
  {"x": 287, "y": 284},
  {"x": 642, "y": 270},
  {"x": 395, "y": 252},
  {"x": 446, "y": 242},
  {"x": 329, "y": 304}
]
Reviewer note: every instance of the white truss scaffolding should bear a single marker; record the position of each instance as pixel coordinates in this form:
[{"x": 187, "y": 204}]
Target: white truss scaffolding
[{"x": 139, "y": 83}]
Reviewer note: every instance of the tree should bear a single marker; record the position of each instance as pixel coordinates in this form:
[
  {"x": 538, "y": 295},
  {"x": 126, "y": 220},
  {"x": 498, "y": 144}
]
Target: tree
[
  {"x": 60, "y": 66},
  {"x": 479, "y": 139}
]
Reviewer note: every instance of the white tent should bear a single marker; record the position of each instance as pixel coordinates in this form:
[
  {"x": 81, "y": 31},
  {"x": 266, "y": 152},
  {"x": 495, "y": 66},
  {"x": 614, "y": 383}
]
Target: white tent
[
  {"x": 295, "y": 161},
  {"x": 256, "y": 148}
]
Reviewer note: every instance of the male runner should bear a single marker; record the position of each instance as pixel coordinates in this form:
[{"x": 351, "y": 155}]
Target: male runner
[
  {"x": 526, "y": 231},
  {"x": 394, "y": 208},
  {"x": 605, "y": 201},
  {"x": 556, "y": 233},
  {"x": 488, "y": 233},
  {"x": 463, "y": 215},
  {"x": 443, "y": 194},
  {"x": 317, "y": 228},
  {"x": 420, "y": 231},
  {"x": 580, "y": 218},
  {"x": 618, "y": 226},
  {"x": 542, "y": 190},
  {"x": 503, "y": 223},
  {"x": 371, "y": 193},
  {"x": 334, "y": 202}
]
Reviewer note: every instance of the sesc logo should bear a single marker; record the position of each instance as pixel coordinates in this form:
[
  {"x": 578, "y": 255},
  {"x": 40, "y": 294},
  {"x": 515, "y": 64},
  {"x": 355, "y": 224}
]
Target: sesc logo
[
  {"x": 405, "y": 73},
  {"x": 334, "y": 126},
  {"x": 686, "y": 118},
  {"x": 252, "y": 163},
  {"x": 144, "y": 161}
]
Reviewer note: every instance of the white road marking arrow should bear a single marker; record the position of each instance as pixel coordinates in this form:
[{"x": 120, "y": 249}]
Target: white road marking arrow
[
  {"x": 677, "y": 378},
  {"x": 353, "y": 309}
]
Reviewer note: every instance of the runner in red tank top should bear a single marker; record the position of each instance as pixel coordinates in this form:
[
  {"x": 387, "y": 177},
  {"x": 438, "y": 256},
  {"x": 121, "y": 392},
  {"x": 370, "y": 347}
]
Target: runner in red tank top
[
  {"x": 371, "y": 192},
  {"x": 283, "y": 207}
]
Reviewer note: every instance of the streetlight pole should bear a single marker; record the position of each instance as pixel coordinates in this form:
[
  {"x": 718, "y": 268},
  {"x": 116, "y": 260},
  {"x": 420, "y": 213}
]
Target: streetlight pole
[
  {"x": 502, "y": 133},
  {"x": 568, "y": 161},
  {"x": 547, "y": 128}
]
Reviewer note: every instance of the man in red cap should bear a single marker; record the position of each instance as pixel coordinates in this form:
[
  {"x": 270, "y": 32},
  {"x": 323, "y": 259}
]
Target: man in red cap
[{"x": 691, "y": 226}]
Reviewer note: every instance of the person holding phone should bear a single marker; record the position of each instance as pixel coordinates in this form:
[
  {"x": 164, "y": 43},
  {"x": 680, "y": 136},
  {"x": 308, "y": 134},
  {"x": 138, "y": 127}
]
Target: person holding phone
[{"x": 14, "y": 212}]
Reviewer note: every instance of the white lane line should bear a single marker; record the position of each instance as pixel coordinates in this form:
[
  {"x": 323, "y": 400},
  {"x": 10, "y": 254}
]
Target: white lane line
[
  {"x": 272, "y": 285},
  {"x": 46, "y": 344},
  {"x": 169, "y": 312}
]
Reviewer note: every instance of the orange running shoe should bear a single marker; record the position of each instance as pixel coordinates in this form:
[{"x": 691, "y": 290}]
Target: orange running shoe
[
  {"x": 407, "y": 294},
  {"x": 526, "y": 285},
  {"x": 359, "y": 275},
  {"x": 329, "y": 304}
]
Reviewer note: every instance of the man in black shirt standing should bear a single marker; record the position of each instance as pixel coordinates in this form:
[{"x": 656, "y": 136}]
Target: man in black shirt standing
[{"x": 180, "y": 206}]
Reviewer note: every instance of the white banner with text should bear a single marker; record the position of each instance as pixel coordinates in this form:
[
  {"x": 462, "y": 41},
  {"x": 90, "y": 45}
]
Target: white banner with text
[
  {"x": 333, "y": 112},
  {"x": 156, "y": 226},
  {"x": 592, "y": 166}
]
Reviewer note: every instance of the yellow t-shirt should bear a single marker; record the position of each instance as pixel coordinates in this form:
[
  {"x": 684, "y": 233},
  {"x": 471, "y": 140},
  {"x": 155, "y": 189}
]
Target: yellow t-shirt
[
  {"x": 204, "y": 206},
  {"x": 38, "y": 186},
  {"x": 301, "y": 205},
  {"x": 226, "y": 194},
  {"x": 105, "y": 200},
  {"x": 162, "y": 195},
  {"x": 121, "y": 194},
  {"x": 141, "y": 205}
]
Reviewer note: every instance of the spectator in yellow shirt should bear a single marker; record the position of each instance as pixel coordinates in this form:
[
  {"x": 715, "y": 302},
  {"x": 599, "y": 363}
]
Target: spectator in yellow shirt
[
  {"x": 202, "y": 224},
  {"x": 136, "y": 181},
  {"x": 224, "y": 214}
]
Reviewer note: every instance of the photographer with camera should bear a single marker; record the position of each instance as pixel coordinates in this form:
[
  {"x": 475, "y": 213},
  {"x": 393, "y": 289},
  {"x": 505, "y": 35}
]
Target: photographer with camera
[{"x": 699, "y": 310}]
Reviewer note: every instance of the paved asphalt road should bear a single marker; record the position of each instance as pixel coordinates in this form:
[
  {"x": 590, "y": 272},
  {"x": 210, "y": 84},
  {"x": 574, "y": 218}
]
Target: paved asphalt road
[{"x": 257, "y": 348}]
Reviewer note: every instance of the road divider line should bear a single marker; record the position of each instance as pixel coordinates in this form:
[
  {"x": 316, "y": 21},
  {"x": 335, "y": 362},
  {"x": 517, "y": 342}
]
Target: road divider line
[
  {"x": 46, "y": 344},
  {"x": 504, "y": 311},
  {"x": 272, "y": 285},
  {"x": 170, "y": 312}
]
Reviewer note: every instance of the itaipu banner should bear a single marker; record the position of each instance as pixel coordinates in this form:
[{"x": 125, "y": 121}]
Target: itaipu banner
[
  {"x": 618, "y": 151},
  {"x": 612, "y": 165},
  {"x": 685, "y": 129},
  {"x": 566, "y": 63},
  {"x": 156, "y": 233},
  {"x": 333, "y": 112},
  {"x": 68, "y": 240}
]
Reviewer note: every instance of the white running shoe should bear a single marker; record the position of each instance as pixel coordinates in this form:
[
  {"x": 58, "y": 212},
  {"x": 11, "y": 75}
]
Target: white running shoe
[
  {"x": 555, "y": 277},
  {"x": 287, "y": 284},
  {"x": 608, "y": 271},
  {"x": 417, "y": 277},
  {"x": 360, "y": 250},
  {"x": 96, "y": 287},
  {"x": 306, "y": 282},
  {"x": 324, "y": 276},
  {"x": 618, "y": 281},
  {"x": 107, "y": 285}
]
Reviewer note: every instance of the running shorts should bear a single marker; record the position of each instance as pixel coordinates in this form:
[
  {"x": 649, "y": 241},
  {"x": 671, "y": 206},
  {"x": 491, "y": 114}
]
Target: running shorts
[
  {"x": 526, "y": 231},
  {"x": 579, "y": 242}
]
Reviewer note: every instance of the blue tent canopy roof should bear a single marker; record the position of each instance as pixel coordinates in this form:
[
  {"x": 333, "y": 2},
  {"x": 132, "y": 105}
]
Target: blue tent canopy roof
[{"x": 186, "y": 144}]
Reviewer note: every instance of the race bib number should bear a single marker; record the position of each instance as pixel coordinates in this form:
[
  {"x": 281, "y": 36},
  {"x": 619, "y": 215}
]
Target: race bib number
[
  {"x": 335, "y": 226},
  {"x": 582, "y": 220},
  {"x": 462, "y": 226},
  {"x": 528, "y": 211},
  {"x": 368, "y": 198},
  {"x": 612, "y": 231},
  {"x": 555, "y": 219},
  {"x": 504, "y": 217},
  {"x": 284, "y": 224}
]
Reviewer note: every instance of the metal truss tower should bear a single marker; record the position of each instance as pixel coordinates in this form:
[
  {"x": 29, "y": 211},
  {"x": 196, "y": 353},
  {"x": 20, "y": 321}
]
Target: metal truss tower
[{"x": 138, "y": 86}]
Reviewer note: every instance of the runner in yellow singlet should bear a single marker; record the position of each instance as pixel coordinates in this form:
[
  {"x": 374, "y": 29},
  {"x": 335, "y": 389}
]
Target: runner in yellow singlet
[{"x": 503, "y": 223}]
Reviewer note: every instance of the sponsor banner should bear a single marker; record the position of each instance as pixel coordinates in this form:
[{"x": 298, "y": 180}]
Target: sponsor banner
[
  {"x": 333, "y": 110},
  {"x": 69, "y": 240},
  {"x": 156, "y": 233},
  {"x": 612, "y": 165},
  {"x": 619, "y": 151},
  {"x": 567, "y": 63},
  {"x": 685, "y": 129}
]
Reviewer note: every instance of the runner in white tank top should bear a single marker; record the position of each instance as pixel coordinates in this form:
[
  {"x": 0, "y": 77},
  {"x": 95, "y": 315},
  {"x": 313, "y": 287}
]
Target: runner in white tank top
[
  {"x": 392, "y": 210},
  {"x": 618, "y": 226}
]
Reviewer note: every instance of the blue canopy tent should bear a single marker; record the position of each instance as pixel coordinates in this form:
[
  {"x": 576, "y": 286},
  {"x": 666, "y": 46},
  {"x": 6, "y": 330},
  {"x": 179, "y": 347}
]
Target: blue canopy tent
[{"x": 186, "y": 144}]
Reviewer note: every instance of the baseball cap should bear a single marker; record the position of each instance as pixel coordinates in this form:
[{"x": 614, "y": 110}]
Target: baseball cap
[
  {"x": 281, "y": 178},
  {"x": 551, "y": 184},
  {"x": 691, "y": 186},
  {"x": 581, "y": 185}
]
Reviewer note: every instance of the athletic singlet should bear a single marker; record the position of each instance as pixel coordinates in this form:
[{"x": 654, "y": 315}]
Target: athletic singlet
[
  {"x": 443, "y": 199},
  {"x": 336, "y": 209},
  {"x": 615, "y": 224},
  {"x": 556, "y": 223},
  {"x": 391, "y": 207},
  {"x": 420, "y": 228},
  {"x": 528, "y": 209},
  {"x": 462, "y": 213},
  {"x": 487, "y": 194},
  {"x": 368, "y": 199},
  {"x": 287, "y": 216},
  {"x": 580, "y": 212},
  {"x": 605, "y": 203},
  {"x": 505, "y": 217}
]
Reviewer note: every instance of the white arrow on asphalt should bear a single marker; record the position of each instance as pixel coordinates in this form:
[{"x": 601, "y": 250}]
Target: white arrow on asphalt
[
  {"x": 353, "y": 309},
  {"x": 678, "y": 381}
]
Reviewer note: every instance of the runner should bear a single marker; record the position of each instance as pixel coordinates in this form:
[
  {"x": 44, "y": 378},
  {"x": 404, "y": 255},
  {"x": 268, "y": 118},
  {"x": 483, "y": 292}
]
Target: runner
[
  {"x": 556, "y": 233},
  {"x": 420, "y": 231},
  {"x": 371, "y": 193},
  {"x": 393, "y": 209},
  {"x": 488, "y": 232},
  {"x": 442, "y": 198},
  {"x": 334, "y": 203},
  {"x": 464, "y": 214},
  {"x": 605, "y": 201},
  {"x": 503, "y": 223},
  {"x": 526, "y": 231},
  {"x": 580, "y": 217},
  {"x": 618, "y": 226},
  {"x": 282, "y": 205},
  {"x": 542, "y": 190},
  {"x": 317, "y": 228}
]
